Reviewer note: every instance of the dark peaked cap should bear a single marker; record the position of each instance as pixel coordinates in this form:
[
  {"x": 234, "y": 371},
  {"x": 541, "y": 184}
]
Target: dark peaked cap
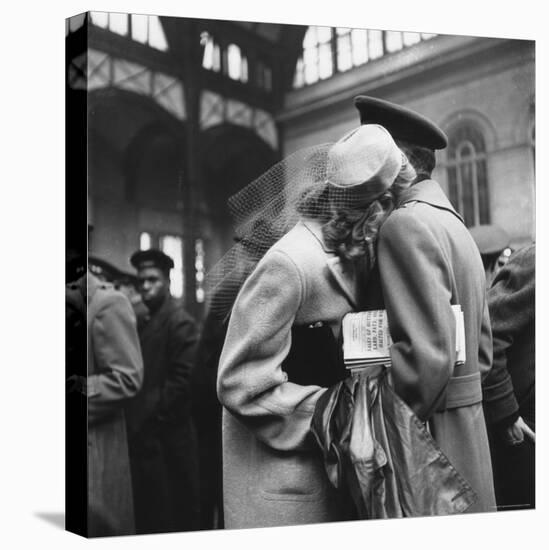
[
  {"x": 151, "y": 258},
  {"x": 401, "y": 122}
]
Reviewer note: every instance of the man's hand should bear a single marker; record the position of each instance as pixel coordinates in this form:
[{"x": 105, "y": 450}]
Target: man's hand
[{"x": 515, "y": 434}]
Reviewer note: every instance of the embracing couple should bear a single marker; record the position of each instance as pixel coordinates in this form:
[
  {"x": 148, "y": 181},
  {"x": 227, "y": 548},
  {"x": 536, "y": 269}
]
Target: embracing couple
[{"x": 344, "y": 227}]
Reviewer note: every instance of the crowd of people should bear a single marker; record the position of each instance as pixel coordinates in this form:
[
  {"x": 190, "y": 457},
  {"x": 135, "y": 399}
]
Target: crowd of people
[{"x": 208, "y": 429}]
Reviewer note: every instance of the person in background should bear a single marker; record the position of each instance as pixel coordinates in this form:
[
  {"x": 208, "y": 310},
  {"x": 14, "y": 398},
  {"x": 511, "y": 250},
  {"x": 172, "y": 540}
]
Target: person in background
[
  {"x": 105, "y": 370},
  {"x": 427, "y": 262},
  {"x": 162, "y": 440},
  {"x": 493, "y": 244},
  {"x": 509, "y": 389},
  {"x": 207, "y": 420},
  {"x": 115, "y": 375}
]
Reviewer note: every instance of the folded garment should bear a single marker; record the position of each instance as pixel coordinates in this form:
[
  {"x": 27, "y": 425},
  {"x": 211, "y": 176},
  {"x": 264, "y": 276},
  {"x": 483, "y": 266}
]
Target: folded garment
[{"x": 378, "y": 451}]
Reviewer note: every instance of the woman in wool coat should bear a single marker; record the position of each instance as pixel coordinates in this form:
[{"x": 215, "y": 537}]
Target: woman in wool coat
[{"x": 306, "y": 282}]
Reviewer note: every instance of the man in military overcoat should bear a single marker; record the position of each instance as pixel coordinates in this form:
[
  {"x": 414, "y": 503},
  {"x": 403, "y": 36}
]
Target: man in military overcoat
[
  {"x": 115, "y": 374},
  {"x": 427, "y": 262}
]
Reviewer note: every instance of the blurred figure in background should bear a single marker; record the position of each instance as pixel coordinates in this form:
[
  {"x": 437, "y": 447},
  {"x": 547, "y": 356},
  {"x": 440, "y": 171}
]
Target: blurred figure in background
[
  {"x": 101, "y": 327},
  {"x": 207, "y": 419},
  {"x": 493, "y": 244},
  {"x": 122, "y": 281},
  {"x": 115, "y": 374},
  {"x": 162, "y": 440},
  {"x": 509, "y": 389}
]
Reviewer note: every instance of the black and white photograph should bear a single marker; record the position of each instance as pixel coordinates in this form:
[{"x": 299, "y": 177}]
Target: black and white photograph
[{"x": 297, "y": 263}]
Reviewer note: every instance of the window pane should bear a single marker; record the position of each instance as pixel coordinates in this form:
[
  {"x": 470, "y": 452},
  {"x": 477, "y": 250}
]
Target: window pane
[
  {"x": 410, "y": 38},
  {"x": 344, "y": 60},
  {"x": 199, "y": 269},
  {"x": 483, "y": 199},
  {"x": 311, "y": 74},
  {"x": 359, "y": 38},
  {"x": 393, "y": 41},
  {"x": 100, "y": 18},
  {"x": 208, "y": 56},
  {"x": 310, "y": 39},
  {"x": 324, "y": 34},
  {"x": 310, "y": 61},
  {"x": 299, "y": 79},
  {"x": 145, "y": 241},
  {"x": 157, "y": 38},
  {"x": 140, "y": 28},
  {"x": 325, "y": 68},
  {"x": 216, "y": 58},
  {"x": 342, "y": 30},
  {"x": 466, "y": 173},
  {"x": 234, "y": 62},
  {"x": 465, "y": 150},
  {"x": 375, "y": 44},
  {"x": 173, "y": 247},
  {"x": 118, "y": 23},
  {"x": 453, "y": 188},
  {"x": 244, "y": 71},
  {"x": 75, "y": 22}
]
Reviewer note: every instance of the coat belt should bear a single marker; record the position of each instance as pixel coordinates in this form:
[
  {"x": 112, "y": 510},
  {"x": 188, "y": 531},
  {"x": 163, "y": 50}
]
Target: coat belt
[{"x": 462, "y": 391}]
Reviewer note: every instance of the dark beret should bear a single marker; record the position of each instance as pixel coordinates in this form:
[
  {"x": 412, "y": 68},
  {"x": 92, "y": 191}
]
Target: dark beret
[
  {"x": 151, "y": 258},
  {"x": 401, "y": 122},
  {"x": 490, "y": 239}
]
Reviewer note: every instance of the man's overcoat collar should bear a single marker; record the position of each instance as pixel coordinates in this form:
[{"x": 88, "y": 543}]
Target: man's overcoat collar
[{"x": 429, "y": 192}]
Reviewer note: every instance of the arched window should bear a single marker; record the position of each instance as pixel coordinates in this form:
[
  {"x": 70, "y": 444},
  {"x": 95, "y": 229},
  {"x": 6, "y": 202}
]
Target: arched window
[
  {"x": 467, "y": 174},
  {"x": 327, "y": 50}
]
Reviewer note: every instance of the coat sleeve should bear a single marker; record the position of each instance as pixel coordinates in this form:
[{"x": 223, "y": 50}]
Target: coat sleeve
[
  {"x": 251, "y": 383},
  {"x": 511, "y": 303},
  {"x": 118, "y": 357},
  {"x": 416, "y": 282}
]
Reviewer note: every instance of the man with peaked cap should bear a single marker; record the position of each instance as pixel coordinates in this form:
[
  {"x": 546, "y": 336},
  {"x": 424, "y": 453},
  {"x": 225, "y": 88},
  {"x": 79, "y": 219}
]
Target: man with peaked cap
[
  {"x": 161, "y": 434},
  {"x": 427, "y": 262},
  {"x": 104, "y": 371}
]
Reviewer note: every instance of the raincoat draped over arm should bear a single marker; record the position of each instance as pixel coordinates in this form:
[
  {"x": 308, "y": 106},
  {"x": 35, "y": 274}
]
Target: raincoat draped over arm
[{"x": 379, "y": 452}]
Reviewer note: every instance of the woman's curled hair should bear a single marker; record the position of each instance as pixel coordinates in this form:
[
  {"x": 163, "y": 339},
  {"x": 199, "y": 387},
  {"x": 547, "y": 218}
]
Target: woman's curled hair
[{"x": 352, "y": 230}]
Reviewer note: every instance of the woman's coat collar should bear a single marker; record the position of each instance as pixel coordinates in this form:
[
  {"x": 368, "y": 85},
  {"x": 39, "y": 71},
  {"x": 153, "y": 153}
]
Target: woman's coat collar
[{"x": 343, "y": 272}]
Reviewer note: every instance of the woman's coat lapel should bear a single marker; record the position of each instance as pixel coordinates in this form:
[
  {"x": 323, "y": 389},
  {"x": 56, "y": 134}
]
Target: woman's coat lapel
[{"x": 343, "y": 274}]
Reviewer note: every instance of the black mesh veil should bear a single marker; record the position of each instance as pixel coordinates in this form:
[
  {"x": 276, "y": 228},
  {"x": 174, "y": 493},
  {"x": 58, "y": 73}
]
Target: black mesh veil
[
  {"x": 314, "y": 182},
  {"x": 263, "y": 212}
]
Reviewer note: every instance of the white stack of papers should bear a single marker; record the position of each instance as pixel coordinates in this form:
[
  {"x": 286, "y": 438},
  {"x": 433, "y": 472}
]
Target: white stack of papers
[{"x": 367, "y": 340}]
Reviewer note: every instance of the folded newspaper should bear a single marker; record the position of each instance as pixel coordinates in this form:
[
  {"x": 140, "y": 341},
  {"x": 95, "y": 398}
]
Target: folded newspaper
[{"x": 367, "y": 341}]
